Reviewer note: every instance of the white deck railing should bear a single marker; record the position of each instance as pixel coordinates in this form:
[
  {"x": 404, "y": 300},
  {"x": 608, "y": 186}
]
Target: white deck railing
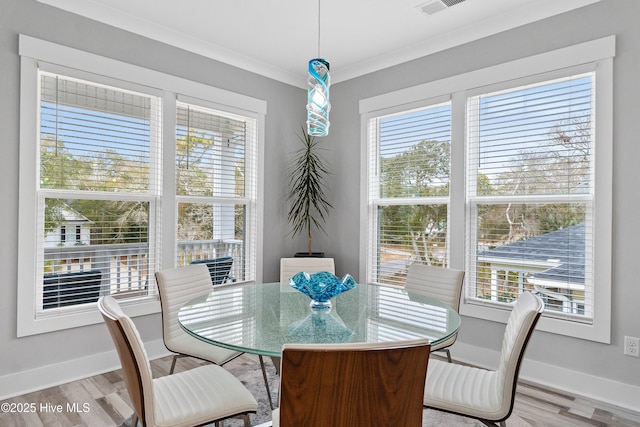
[
  {"x": 195, "y": 250},
  {"x": 126, "y": 267}
]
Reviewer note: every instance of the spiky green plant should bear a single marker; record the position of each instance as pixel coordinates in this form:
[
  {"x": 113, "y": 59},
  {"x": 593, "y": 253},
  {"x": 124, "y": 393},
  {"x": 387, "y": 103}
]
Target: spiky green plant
[{"x": 307, "y": 174}]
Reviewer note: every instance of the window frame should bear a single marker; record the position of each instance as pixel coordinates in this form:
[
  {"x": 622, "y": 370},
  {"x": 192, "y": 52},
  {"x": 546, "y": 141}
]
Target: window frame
[
  {"x": 375, "y": 200},
  {"x": 474, "y": 200},
  {"x": 34, "y": 52},
  {"x": 251, "y": 159},
  {"x": 597, "y": 54},
  {"x": 152, "y": 196}
]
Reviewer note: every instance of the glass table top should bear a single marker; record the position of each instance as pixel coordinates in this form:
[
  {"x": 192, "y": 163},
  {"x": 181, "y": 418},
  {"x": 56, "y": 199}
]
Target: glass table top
[{"x": 260, "y": 318}]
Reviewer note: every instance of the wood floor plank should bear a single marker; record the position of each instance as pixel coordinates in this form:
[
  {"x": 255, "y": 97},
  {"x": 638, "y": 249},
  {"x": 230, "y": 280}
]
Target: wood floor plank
[
  {"x": 540, "y": 395},
  {"x": 114, "y": 415},
  {"x": 98, "y": 386},
  {"x": 582, "y": 408},
  {"x": 27, "y": 417},
  {"x": 81, "y": 404},
  {"x": 539, "y": 404},
  {"x": 121, "y": 406},
  {"x": 114, "y": 378},
  {"x": 42, "y": 397}
]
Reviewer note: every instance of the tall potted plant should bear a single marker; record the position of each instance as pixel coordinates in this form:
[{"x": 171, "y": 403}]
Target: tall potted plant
[{"x": 309, "y": 206}]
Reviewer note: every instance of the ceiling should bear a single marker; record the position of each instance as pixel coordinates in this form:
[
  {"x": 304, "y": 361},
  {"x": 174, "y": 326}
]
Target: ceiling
[{"x": 277, "y": 38}]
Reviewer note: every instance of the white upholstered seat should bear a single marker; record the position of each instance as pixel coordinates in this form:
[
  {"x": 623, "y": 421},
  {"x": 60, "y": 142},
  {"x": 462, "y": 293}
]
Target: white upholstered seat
[
  {"x": 443, "y": 284},
  {"x": 198, "y": 396},
  {"x": 290, "y": 266},
  {"x": 484, "y": 394}
]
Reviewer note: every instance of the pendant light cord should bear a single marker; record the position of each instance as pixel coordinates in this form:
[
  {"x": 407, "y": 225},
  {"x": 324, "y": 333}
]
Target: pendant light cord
[{"x": 318, "y": 28}]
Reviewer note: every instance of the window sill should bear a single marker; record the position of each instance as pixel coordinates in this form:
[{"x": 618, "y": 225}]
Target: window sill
[
  {"x": 598, "y": 331},
  {"x": 75, "y": 319}
]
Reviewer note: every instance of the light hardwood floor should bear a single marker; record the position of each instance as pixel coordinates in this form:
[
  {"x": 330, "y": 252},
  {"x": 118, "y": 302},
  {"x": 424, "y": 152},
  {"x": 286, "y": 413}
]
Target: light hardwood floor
[{"x": 102, "y": 401}]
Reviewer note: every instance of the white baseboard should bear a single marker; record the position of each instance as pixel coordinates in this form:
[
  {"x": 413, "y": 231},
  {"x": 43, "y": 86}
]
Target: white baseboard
[
  {"x": 600, "y": 389},
  {"x": 52, "y": 375}
]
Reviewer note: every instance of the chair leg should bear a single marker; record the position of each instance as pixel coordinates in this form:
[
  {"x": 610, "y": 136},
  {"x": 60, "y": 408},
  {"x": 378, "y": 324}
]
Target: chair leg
[
  {"x": 266, "y": 381},
  {"x": 276, "y": 364},
  {"x": 175, "y": 359},
  {"x": 173, "y": 364},
  {"x": 446, "y": 352},
  {"x": 493, "y": 423},
  {"x": 247, "y": 421}
]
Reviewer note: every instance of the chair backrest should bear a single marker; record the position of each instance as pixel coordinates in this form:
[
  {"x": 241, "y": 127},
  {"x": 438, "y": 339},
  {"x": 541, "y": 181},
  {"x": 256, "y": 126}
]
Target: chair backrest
[
  {"x": 353, "y": 385},
  {"x": 522, "y": 321},
  {"x": 133, "y": 357},
  {"x": 443, "y": 284},
  {"x": 219, "y": 268},
  {"x": 290, "y": 266},
  {"x": 176, "y": 287}
]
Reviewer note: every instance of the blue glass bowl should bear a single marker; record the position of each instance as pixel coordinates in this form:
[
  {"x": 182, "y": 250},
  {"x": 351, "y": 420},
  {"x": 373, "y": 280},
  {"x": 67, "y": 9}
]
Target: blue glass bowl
[{"x": 321, "y": 287}]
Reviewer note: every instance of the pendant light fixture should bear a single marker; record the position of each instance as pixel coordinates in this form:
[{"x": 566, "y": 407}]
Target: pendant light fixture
[{"x": 318, "y": 82}]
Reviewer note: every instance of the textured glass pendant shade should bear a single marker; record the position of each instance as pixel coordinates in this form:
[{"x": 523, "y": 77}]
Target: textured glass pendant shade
[{"x": 318, "y": 105}]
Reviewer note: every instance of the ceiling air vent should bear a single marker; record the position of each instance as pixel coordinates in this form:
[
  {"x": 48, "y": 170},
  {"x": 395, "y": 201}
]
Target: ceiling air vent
[{"x": 434, "y": 6}]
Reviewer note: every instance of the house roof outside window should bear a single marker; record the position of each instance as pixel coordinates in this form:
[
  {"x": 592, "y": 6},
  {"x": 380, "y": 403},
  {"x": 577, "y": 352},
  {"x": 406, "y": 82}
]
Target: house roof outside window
[{"x": 561, "y": 251}]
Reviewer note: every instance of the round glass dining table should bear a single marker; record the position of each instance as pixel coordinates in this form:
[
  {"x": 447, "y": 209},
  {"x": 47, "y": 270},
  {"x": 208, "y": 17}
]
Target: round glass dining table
[{"x": 260, "y": 318}]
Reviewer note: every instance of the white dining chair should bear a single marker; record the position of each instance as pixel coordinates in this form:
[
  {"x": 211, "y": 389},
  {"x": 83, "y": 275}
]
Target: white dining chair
[
  {"x": 443, "y": 284},
  {"x": 290, "y": 266},
  {"x": 195, "y": 397},
  {"x": 176, "y": 287},
  {"x": 486, "y": 395}
]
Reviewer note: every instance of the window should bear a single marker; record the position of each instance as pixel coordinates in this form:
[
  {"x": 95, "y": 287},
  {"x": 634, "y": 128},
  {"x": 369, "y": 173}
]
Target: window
[
  {"x": 408, "y": 191},
  {"x": 530, "y": 191},
  {"x": 213, "y": 188},
  {"x": 97, "y": 143},
  {"x": 132, "y": 172},
  {"x": 519, "y": 185}
]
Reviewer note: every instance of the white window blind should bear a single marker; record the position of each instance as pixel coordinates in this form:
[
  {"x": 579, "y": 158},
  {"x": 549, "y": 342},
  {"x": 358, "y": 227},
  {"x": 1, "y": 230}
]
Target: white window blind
[
  {"x": 216, "y": 187},
  {"x": 409, "y": 167},
  {"x": 531, "y": 158},
  {"x": 97, "y": 193}
]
